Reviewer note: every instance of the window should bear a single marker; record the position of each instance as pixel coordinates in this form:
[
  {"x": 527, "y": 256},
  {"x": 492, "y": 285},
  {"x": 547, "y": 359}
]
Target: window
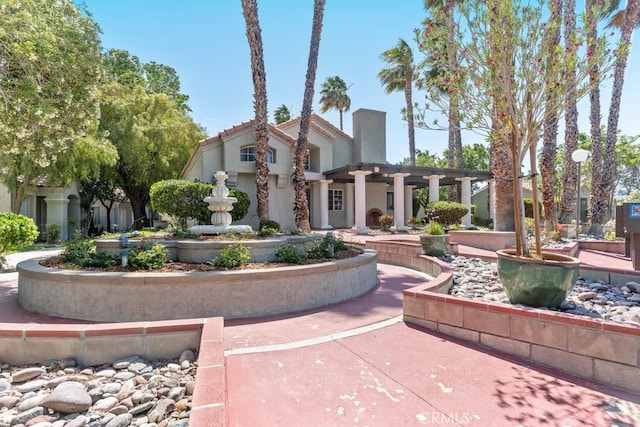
[
  {"x": 306, "y": 161},
  {"x": 335, "y": 200},
  {"x": 389, "y": 200},
  {"x": 248, "y": 154}
]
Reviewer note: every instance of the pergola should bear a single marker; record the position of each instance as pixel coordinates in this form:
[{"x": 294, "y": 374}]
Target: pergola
[{"x": 402, "y": 177}]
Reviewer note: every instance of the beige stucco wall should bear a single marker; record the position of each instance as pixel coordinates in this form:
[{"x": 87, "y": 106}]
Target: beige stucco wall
[{"x": 5, "y": 199}]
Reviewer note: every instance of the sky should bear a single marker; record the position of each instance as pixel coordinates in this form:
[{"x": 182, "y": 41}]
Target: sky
[{"x": 205, "y": 41}]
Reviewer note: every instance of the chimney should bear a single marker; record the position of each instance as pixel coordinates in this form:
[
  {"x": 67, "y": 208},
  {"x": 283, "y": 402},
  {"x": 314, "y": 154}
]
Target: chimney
[{"x": 369, "y": 136}]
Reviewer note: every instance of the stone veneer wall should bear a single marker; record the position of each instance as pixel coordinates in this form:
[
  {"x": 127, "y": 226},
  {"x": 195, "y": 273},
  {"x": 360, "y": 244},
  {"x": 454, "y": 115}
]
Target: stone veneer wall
[{"x": 596, "y": 349}]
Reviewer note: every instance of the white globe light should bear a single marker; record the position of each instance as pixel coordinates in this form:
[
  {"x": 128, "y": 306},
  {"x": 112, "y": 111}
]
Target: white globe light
[{"x": 580, "y": 155}]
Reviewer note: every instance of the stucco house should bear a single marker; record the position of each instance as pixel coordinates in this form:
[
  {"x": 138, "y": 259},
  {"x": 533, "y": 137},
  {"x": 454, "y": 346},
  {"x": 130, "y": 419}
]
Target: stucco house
[{"x": 350, "y": 184}]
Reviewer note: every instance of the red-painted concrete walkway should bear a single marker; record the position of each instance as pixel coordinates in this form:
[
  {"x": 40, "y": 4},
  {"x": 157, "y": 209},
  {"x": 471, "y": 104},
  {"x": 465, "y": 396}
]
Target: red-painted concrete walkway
[{"x": 357, "y": 363}]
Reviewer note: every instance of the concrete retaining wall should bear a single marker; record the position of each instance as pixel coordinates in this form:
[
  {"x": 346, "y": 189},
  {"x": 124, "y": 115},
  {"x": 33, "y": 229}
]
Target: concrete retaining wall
[
  {"x": 130, "y": 297},
  {"x": 488, "y": 240},
  {"x": 600, "y": 350}
]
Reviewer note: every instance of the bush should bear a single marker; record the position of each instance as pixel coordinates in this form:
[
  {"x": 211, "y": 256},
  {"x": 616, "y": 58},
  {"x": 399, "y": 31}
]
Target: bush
[
  {"x": 446, "y": 213},
  {"x": 414, "y": 222},
  {"x": 81, "y": 252},
  {"x": 233, "y": 256},
  {"x": 16, "y": 232},
  {"x": 321, "y": 249},
  {"x": 288, "y": 253},
  {"x": 386, "y": 221},
  {"x": 528, "y": 208},
  {"x": 147, "y": 256},
  {"x": 185, "y": 200},
  {"x": 53, "y": 233},
  {"x": 273, "y": 225},
  {"x": 434, "y": 229},
  {"x": 181, "y": 233}
]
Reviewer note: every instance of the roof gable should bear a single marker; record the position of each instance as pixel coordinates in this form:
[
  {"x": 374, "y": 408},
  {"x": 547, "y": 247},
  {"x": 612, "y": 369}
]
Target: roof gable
[{"x": 321, "y": 125}]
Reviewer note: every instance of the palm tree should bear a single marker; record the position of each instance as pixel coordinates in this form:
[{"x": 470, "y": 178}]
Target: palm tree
[
  {"x": 301, "y": 205},
  {"x": 550, "y": 133},
  {"x": 254, "y": 37},
  {"x": 282, "y": 114},
  {"x": 627, "y": 21},
  {"x": 399, "y": 76},
  {"x": 334, "y": 96}
]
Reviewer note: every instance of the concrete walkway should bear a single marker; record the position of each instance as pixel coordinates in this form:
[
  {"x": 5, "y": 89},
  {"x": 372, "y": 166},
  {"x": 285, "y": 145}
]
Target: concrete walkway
[{"x": 357, "y": 363}]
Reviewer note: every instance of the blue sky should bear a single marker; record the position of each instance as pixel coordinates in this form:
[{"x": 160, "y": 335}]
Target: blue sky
[{"x": 205, "y": 41}]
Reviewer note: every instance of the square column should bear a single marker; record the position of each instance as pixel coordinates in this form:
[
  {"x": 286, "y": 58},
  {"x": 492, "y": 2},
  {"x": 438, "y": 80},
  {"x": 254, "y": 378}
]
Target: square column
[
  {"x": 57, "y": 213},
  {"x": 360, "y": 200},
  {"x": 324, "y": 203},
  {"x": 348, "y": 204},
  {"x": 434, "y": 187},
  {"x": 466, "y": 198},
  {"x": 398, "y": 200},
  {"x": 408, "y": 202}
]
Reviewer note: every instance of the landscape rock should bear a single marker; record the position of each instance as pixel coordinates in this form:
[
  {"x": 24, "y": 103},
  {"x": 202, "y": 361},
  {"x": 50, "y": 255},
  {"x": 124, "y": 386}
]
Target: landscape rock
[{"x": 68, "y": 400}]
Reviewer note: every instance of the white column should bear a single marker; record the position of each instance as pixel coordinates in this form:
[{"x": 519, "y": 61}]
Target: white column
[
  {"x": 57, "y": 214},
  {"x": 466, "y": 198},
  {"x": 408, "y": 202},
  {"x": 398, "y": 200},
  {"x": 361, "y": 200},
  {"x": 491, "y": 193},
  {"x": 348, "y": 204},
  {"x": 434, "y": 187},
  {"x": 324, "y": 204}
]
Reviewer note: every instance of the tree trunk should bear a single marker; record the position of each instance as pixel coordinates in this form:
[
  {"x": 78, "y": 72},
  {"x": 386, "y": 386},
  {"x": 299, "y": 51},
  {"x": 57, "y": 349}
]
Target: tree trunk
[
  {"x": 340, "y": 111},
  {"x": 597, "y": 195},
  {"x": 254, "y": 37},
  {"x": 138, "y": 198},
  {"x": 550, "y": 143},
  {"x": 408, "y": 97},
  {"x": 17, "y": 196},
  {"x": 609, "y": 167},
  {"x": 301, "y": 205},
  {"x": 503, "y": 182}
]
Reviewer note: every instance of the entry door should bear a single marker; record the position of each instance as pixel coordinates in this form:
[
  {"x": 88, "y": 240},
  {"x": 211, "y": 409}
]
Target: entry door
[{"x": 41, "y": 218}]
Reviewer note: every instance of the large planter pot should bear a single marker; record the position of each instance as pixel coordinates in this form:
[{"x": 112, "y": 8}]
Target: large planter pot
[
  {"x": 535, "y": 282},
  {"x": 434, "y": 245}
]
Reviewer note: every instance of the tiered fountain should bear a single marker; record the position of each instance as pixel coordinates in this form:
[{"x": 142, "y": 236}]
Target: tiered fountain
[{"x": 221, "y": 205}]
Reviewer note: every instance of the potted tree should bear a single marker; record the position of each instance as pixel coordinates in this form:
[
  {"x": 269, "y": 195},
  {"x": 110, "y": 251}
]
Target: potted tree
[
  {"x": 435, "y": 242},
  {"x": 507, "y": 72}
]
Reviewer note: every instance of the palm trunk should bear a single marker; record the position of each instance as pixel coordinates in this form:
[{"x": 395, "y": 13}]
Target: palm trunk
[
  {"x": 609, "y": 167},
  {"x": 503, "y": 182},
  {"x": 340, "y": 111},
  {"x": 408, "y": 97},
  {"x": 301, "y": 205},
  {"x": 254, "y": 38},
  {"x": 597, "y": 197}
]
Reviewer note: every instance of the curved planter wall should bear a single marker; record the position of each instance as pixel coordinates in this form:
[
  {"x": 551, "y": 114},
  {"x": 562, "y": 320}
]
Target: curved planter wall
[
  {"x": 200, "y": 251},
  {"x": 129, "y": 297}
]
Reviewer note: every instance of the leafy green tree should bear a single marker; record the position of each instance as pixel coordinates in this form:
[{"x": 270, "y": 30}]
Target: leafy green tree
[
  {"x": 50, "y": 67},
  {"x": 399, "y": 75},
  {"x": 282, "y": 114},
  {"x": 333, "y": 96},
  {"x": 153, "y": 137}
]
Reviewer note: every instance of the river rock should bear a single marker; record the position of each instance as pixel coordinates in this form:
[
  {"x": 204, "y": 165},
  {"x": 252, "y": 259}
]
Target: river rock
[
  {"x": 122, "y": 420},
  {"x": 27, "y": 374},
  {"x": 161, "y": 409},
  {"x": 68, "y": 400}
]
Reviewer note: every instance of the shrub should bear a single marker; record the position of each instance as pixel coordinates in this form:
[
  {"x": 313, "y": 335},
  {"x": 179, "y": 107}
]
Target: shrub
[
  {"x": 233, "y": 256},
  {"x": 16, "y": 232},
  {"x": 147, "y": 256},
  {"x": 181, "y": 233},
  {"x": 53, "y": 233},
  {"x": 81, "y": 252},
  {"x": 273, "y": 225},
  {"x": 446, "y": 213},
  {"x": 321, "y": 249},
  {"x": 386, "y": 221},
  {"x": 434, "y": 229},
  {"x": 414, "y": 222},
  {"x": 290, "y": 254},
  {"x": 185, "y": 199},
  {"x": 529, "y": 223},
  {"x": 266, "y": 231},
  {"x": 528, "y": 208}
]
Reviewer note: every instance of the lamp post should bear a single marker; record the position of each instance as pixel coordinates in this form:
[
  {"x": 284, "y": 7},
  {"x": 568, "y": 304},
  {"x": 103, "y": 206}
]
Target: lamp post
[{"x": 578, "y": 156}]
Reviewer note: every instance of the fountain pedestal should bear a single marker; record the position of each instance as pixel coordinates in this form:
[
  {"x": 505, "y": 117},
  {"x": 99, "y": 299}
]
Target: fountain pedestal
[{"x": 221, "y": 205}]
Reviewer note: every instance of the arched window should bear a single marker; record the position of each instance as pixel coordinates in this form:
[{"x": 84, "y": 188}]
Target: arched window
[{"x": 248, "y": 154}]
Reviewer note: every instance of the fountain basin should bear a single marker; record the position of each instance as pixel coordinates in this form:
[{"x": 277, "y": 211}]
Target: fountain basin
[{"x": 148, "y": 296}]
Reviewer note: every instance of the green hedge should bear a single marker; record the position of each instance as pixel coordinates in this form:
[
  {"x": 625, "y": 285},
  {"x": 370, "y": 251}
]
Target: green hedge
[{"x": 16, "y": 232}]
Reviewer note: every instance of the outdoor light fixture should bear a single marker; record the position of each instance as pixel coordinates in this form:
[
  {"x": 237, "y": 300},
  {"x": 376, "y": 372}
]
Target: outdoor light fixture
[{"x": 578, "y": 156}]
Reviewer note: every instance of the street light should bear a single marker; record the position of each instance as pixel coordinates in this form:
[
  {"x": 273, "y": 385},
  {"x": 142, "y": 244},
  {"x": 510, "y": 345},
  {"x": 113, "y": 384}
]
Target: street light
[{"x": 579, "y": 156}]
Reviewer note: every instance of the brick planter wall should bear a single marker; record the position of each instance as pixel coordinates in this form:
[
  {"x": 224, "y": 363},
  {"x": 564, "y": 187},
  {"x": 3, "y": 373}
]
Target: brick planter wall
[{"x": 599, "y": 350}]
